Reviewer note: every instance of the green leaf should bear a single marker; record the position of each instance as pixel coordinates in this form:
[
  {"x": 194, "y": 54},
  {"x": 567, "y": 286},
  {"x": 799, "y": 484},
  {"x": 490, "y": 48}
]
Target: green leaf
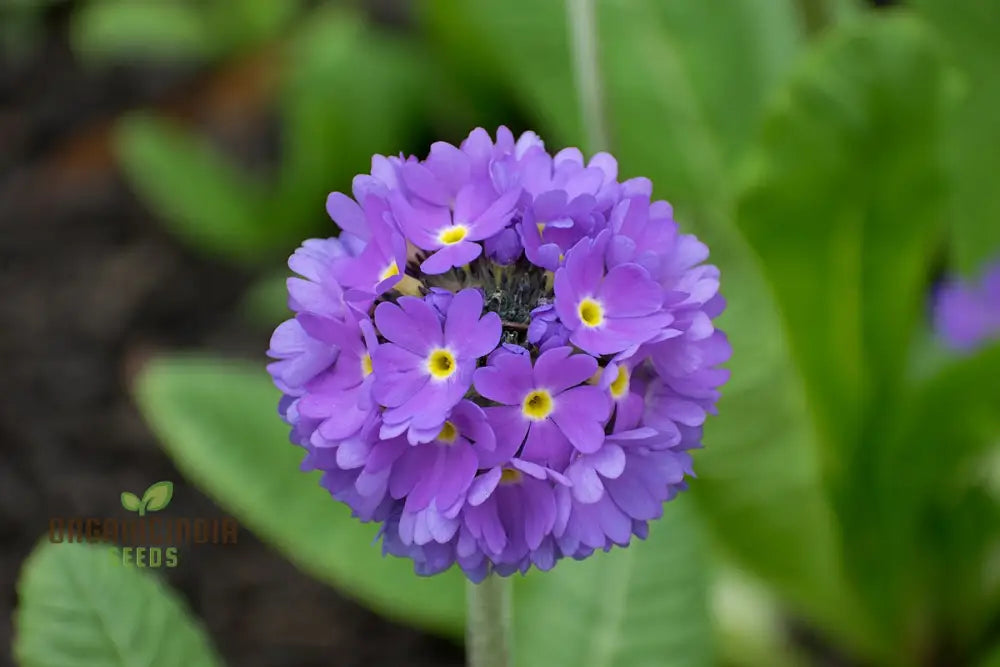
[
  {"x": 683, "y": 81},
  {"x": 266, "y": 300},
  {"x": 79, "y": 605},
  {"x": 971, "y": 32},
  {"x": 236, "y": 25},
  {"x": 130, "y": 501},
  {"x": 520, "y": 45},
  {"x": 339, "y": 110},
  {"x": 158, "y": 496},
  {"x": 689, "y": 79},
  {"x": 847, "y": 249},
  {"x": 950, "y": 425},
  {"x": 218, "y": 420},
  {"x": 200, "y": 197},
  {"x": 643, "y": 605},
  {"x": 122, "y": 30},
  {"x": 751, "y": 626},
  {"x": 949, "y": 420}
]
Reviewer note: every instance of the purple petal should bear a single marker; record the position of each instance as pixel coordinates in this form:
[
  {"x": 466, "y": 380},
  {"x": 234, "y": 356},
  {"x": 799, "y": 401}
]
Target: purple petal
[
  {"x": 459, "y": 470},
  {"x": 347, "y": 214},
  {"x": 587, "y": 486},
  {"x": 496, "y": 217},
  {"x": 409, "y": 323},
  {"x": 420, "y": 224},
  {"x": 482, "y": 487},
  {"x": 580, "y": 413},
  {"x": 557, "y": 369},
  {"x": 547, "y": 445},
  {"x": 508, "y": 378},
  {"x": 423, "y": 183},
  {"x": 628, "y": 291},
  {"x": 451, "y": 256},
  {"x": 465, "y": 332},
  {"x": 510, "y": 428}
]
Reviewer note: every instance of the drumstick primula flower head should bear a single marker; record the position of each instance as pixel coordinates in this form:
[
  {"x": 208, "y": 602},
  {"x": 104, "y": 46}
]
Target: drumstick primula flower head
[{"x": 504, "y": 358}]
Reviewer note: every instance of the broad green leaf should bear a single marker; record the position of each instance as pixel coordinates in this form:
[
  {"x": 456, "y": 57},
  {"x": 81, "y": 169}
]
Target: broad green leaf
[
  {"x": 123, "y": 30},
  {"x": 751, "y": 628},
  {"x": 971, "y": 32},
  {"x": 950, "y": 425},
  {"x": 241, "y": 24},
  {"x": 950, "y": 419},
  {"x": 158, "y": 496},
  {"x": 79, "y": 605},
  {"x": 520, "y": 45},
  {"x": 640, "y": 606},
  {"x": 218, "y": 420},
  {"x": 265, "y": 302},
  {"x": 683, "y": 81},
  {"x": 691, "y": 84},
  {"x": 846, "y": 249},
  {"x": 200, "y": 197},
  {"x": 470, "y": 90},
  {"x": 338, "y": 110},
  {"x": 130, "y": 501}
]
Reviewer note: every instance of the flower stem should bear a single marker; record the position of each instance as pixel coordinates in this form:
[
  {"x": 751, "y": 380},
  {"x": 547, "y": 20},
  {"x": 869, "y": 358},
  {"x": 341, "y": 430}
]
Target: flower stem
[
  {"x": 487, "y": 629},
  {"x": 583, "y": 38}
]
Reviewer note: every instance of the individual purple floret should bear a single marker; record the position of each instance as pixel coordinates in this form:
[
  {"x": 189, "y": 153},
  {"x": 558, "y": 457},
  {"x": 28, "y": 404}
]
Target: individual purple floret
[
  {"x": 505, "y": 358},
  {"x": 427, "y": 365},
  {"x": 607, "y": 311},
  {"x": 967, "y": 314},
  {"x": 547, "y": 408}
]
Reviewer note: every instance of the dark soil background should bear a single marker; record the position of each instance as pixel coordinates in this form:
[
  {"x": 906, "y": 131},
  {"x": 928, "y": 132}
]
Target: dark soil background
[{"x": 90, "y": 285}]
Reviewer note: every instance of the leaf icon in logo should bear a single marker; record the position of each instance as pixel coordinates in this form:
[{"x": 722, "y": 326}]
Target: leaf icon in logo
[
  {"x": 130, "y": 501},
  {"x": 157, "y": 497}
]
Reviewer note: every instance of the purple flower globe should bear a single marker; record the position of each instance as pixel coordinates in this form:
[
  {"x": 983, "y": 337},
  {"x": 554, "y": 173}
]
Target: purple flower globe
[
  {"x": 967, "y": 313},
  {"x": 504, "y": 358}
]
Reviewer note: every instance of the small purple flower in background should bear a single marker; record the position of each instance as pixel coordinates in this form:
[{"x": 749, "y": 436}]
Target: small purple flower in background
[
  {"x": 505, "y": 358},
  {"x": 967, "y": 314}
]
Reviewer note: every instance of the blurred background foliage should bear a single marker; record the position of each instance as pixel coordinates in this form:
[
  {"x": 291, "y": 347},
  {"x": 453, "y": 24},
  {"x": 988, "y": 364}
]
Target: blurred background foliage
[{"x": 830, "y": 153}]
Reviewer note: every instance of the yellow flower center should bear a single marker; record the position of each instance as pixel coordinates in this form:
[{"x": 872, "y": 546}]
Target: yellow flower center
[
  {"x": 537, "y": 405},
  {"x": 591, "y": 313},
  {"x": 452, "y": 235},
  {"x": 366, "y": 365},
  {"x": 510, "y": 476},
  {"x": 541, "y": 226},
  {"x": 441, "y": 364},
  {"x": 390, "y": 271},
  {"x": 620, "y": 385},
  {"x": 448, "y": 433}
]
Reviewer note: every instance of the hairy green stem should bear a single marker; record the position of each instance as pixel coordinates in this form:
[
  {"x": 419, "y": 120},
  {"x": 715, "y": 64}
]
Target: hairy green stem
[
  {"x": 487, "y": 626},
  {"x": 583, "y": 38}
]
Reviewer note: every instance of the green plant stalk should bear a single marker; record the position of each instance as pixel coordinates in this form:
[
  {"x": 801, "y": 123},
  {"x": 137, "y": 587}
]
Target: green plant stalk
[
  {"x": 488, "y": 623},
  {"x": 581, "y": 17}
]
